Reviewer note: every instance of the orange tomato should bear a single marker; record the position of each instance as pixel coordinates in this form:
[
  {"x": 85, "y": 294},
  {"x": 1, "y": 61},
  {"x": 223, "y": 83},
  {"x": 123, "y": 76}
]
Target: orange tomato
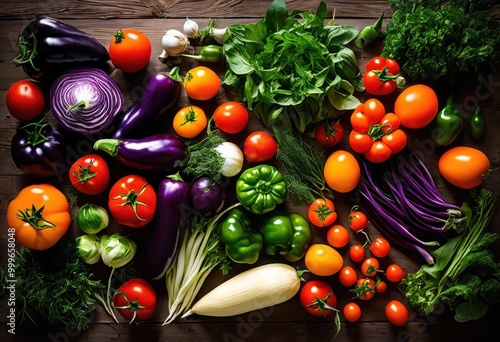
[
  {"x": 321, "y": 212},
  {"x": 337, "y": 236},
  {"x": 416, "y": 106},
  {"x": 396, "y": 313},
  {"x": 40, "y": 216},
  {"x": 341, "y": 171},
  {"x": 201, "y": 83},
  {"x": 463, "y": 166},
  {"x": 130, "y": 50},
  {"x": 189, "y": 121},
  {"x": 323, "y": 260}
]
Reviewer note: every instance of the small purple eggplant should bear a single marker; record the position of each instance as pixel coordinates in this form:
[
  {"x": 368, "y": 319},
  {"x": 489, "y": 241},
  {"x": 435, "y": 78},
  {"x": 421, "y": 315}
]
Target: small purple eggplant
[
  {"x": 161, "y": 92},
  {"x": 172, "y": 200},
  {"x": 207, "y": 196},
  {"x": 157, "y": 152}
]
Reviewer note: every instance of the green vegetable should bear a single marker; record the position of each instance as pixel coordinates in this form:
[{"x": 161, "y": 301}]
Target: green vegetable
[
  {"x": 243, "y": 242},
  {"x": 89, "y": 248},
  {"x": 369, "y": 33},
  {"x": 261, "y": 188},
  {"x": 209, "y": 53},
  {"x": 465, "y": 274},
  {"x": 438, "y": 40},
  {"x": 288, "y": 235},
  {"x": 448, "y": 123},
  {"x": 54, "y": 285},
  {"x": 477, "y": 124},
  {"x": 317, "y": 83},
  {"x": 92, "y": 218}
]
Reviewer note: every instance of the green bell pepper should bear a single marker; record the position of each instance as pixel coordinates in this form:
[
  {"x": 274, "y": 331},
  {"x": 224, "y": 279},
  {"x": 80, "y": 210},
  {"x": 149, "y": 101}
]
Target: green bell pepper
[
  {"x": 447, "y": 124},
  {"x": 261, "y": 188},
  {"x": 286, "y": 234},
  {"x": 477, "y": 123},
  {"x": 243, "y": 243}
]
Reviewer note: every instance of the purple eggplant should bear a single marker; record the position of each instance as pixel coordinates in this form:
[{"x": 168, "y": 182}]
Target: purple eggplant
[
  {"x": 172, "y": 200},
  {"x": 39, "y": 150},
  {"x": 161, "y": 92},
  {"x": 207, "y": 196},
  {"x": 157, "y": 152}
]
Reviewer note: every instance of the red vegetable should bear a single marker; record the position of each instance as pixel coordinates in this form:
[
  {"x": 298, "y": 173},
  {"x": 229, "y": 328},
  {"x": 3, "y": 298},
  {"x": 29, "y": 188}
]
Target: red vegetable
[
  {"x": 382, "y": 76},
  {"x": 135, "y": 300},
  {"x": 317, "y": 298},
  {"x": 89, "y": 174}
]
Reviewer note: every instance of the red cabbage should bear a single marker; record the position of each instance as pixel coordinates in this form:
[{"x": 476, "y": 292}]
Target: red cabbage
[{"x": 85, "y": 100}]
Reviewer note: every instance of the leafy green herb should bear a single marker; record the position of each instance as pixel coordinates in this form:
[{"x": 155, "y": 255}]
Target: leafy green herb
[
  {"x": 465, "y": 274},
  {"x": 438, "y": 40},
  {"x": 55, "y": 285},
  {"x": 292, "y": 66}
]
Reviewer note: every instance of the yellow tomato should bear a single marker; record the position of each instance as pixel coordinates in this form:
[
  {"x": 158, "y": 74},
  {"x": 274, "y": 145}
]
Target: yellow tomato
[
  {"x": 190, "y": 121},
  {"x": 201, "y": 83},
  {"x": 323, "y": 260},
  {"x": 341, "y": 171}
]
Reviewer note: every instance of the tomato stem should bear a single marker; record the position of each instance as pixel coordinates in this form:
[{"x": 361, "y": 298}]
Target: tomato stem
[
  {"x": 84, "y": 174},
  {"x": 34, "y": 217},
  {"x": 132, "y": 200}
]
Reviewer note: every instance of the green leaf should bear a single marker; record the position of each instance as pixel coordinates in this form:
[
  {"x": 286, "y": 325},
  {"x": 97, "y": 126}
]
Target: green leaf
[
  {"x": 276, "y": 15},
  {"x": 466, "y": 312}
]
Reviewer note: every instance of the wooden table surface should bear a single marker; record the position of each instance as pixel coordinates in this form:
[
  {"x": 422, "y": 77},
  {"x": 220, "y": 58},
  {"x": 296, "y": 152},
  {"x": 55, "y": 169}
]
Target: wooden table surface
[{"x": 284, "y": 322}]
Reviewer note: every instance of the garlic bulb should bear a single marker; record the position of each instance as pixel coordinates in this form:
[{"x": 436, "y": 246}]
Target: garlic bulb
[
  {"x": 191, "y": 28},
  {"x": 174, "y": 43}
]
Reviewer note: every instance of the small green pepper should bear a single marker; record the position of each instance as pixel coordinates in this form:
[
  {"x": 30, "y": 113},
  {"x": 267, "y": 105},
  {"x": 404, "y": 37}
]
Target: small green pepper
[
  {"x": 209, "y": 53},
  {"x": 243, "y": 242},
  {"x": 286, "y": 234},
  {"x": 261, "y": 188},
  {"x": 447, "y": 124},
  {"x": 477, "y": 124},
  {"x": 369, "y": 33}
]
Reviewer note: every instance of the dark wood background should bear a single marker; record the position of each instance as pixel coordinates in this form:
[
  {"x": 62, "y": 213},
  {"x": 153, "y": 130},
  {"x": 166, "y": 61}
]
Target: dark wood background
[{"x": 285, "y": 322}]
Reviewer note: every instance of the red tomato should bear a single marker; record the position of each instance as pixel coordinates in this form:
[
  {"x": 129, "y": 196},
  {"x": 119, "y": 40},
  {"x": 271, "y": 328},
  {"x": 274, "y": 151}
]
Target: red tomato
[
  {"x": 337, "y": 236},
  {"x": 380, "y": 76},
  {"x": 396, "y": 313},
  {"x": 394, "y": 273},
  {"x": 416, "y": 106},
  {"x": 342, "y": 171},
  {"x": 357, "y": 220},
  {"x": 348, "y": 276},
  {"x": 366, "y": 114},
  {"x": 378, "y": 152},
  {"x": 25, "y": 100},
  {"x": 318, "y": 299},
  {"x": 259, "y": 146},
  {"x": 328, "y": 133},
  {"x": 357, "y": 253},
  {"x": 360, "y": 142},
  {"x": 365, "y": 288},
  {"x": 231, "y": 117},
  {"x": 90, "y": 174},
  {"x": 323, "y": 260},
  {"x": 321, "y": 212},
  {"x": 370, "y": 266},
  {"x": 381, "y": 287},
  {"x": 378, "y": 63},
  {"x": 201, "y": 83},
  {"x": 463, "y": 166},
  {"x": 135, "y": 300},
  {"x": 132, "y": 201},
  {"x": 380, "y": 247},
  {"x": 130, "y": 50},
  {"x": 352, "y": 312}
]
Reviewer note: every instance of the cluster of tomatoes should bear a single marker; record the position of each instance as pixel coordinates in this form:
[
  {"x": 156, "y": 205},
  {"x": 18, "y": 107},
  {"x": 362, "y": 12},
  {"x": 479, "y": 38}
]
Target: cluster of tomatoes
[{"x": 317, "y": 296}]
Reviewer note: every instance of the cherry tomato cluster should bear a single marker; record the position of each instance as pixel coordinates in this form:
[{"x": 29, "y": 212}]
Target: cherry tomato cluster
[{"x": 382, "y": 76}]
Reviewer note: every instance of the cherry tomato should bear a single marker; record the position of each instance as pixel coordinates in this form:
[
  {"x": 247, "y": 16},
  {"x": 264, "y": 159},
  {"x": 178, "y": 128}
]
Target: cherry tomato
[
  {"x": 367, "y": 113},
  {"x": 463, "y": 166},
  {"x": 394, "y": 273},
  {"x": 317, "y": 298},
  {"x": 259, "y": 146},
  {"x": 25, "y": 100},
  {"x": 323, "y": 260},
  {"x": 337, "y": 236},
  {"x": 370, "y": 266},
  {"x": 381, "y": 287},
  {"x": 396, "y": 313},
  {"x": 396, "y": 140},
  {"x": 342, "y": 171},
  {"x": 132, "y": 201},
  {"x": 378, "y": 63},
  {"x": 130, "y": 50},
  {"x": 357, "y": 253},
  {"x": 360, "y": 142},
  {"x": 348, "y": 276},
  {"x": 416, "y": 106},
  {"x": 380, "y": 247},
  {"x": 135, "y": 300},
  {"x": 352, "y": 312},
  {"x": 357, "y": 220},
  {"x": 231, "y": 117},
  {"x": 365, "y": 288},
  {"x": 328, "y": 133},
  {"x": 89, "y": 174},
  {"x": 380, "y": 74},
  {"x": 321, "y": 212},
  {"x": 378, "y": 152},
  {"x": 189, "y": 122},
  {"x": 201, "y": 83}
]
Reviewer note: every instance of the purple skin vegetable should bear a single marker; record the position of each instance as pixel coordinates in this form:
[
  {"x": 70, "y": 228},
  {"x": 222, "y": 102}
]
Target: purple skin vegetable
[{"x": 207, "y": 197}]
